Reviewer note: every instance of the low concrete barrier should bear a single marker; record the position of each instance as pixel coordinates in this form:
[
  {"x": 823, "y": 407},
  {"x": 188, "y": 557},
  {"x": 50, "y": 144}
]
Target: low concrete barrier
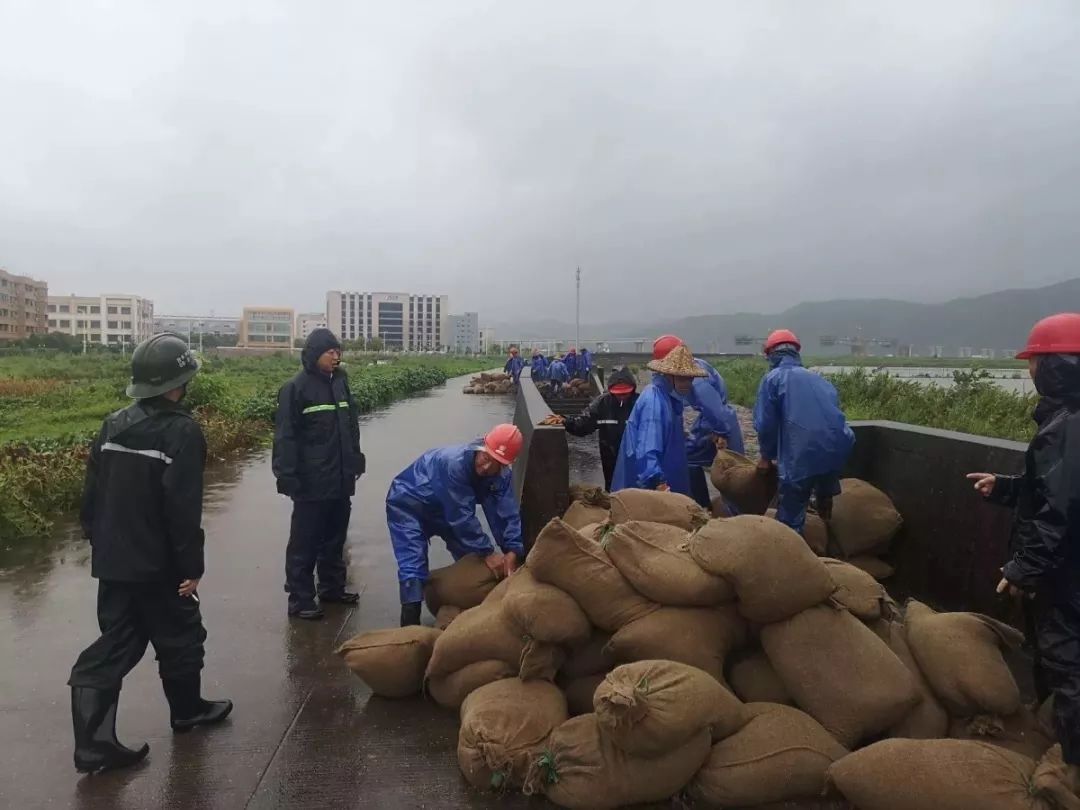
[
  {"x": 953, "y": 542},
  {"x": 542, "y": 471}
]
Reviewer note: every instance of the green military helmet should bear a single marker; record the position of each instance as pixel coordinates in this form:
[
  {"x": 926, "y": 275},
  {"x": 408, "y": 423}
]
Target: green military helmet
[{"x": 159, "y": 364}]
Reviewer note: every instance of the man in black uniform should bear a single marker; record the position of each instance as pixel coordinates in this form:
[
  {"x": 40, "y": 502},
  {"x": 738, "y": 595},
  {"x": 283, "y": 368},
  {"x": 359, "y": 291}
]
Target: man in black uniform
[
  {"x": 317, "y": 460},
  {"x": 142, "y": 512},
  {"x": 608, "y": 414}
]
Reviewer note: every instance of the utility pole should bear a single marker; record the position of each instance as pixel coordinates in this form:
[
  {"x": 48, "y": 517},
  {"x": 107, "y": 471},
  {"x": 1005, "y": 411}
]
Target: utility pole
[{"x": 577, "y": 338}]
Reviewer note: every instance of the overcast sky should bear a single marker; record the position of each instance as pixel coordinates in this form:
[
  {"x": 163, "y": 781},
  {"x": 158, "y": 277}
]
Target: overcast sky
[{"x": 692, "y": 157}]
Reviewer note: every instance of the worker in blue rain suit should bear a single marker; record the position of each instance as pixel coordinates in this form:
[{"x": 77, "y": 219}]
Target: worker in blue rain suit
[
  {"x": 1045, "y": 564},
  {"x": 558, "y": 374},
  {"x": 538, "y": 366},
  {"x": 653, "y": 452},
  {"x": 437, "y": 496},
  {"x": 801, "y": 430},
  {"x": 715, "y": 427},
  {"x": 584, "y": 364},
  {"x": 514, "y": 365},
  {"x": 571, "y": 361}
]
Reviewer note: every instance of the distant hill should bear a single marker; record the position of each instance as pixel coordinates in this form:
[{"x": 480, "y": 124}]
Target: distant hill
[{"x": 998, "y": 321}]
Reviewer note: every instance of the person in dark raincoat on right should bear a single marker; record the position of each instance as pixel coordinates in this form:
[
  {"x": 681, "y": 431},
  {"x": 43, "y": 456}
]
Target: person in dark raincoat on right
[
  {"x": 608, "y": 414},
  {"x": 1045, "y": 565}
]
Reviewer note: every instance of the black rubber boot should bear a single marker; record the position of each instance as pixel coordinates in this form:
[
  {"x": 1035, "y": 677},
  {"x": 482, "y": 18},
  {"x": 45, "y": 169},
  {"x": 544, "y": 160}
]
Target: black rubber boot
[
  {"x": 187, "y": 709},
  {"x": 311, "y": 613},
  {"x": 410, "y": 614},
  {"x": 93, "y": 715},
  {"x": 343, "y": 598}
]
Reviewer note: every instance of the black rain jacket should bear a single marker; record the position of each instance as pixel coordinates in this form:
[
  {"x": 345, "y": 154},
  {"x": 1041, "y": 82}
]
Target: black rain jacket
[
  {"x": 1046, "y": 533},
  {"x": 316, "y": 431},
  {"x": 606, "y": 415},
  {"x": 142, "y": 500}
]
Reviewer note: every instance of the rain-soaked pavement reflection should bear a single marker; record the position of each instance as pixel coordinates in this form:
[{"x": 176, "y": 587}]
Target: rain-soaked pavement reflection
[{"x": 305, "y": 732}]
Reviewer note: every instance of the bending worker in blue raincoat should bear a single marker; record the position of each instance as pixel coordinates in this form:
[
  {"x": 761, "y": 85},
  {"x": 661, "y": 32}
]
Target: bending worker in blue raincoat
[
  {"x": 653, "y": 452},
  {"x": 558, "y": 374},
  {"x": 716, "y": 426},
  {"x": 437, "y": 496},
  {"x": 514, "y": 365},
  {"x": 539, "y": 366},
  {"x": 801, "y": 430}
]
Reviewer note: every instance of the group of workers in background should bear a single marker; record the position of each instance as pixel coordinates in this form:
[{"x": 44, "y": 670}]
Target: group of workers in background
[
  {"x": 142, "y": 504},
  {"x": 557, "y": 372}
]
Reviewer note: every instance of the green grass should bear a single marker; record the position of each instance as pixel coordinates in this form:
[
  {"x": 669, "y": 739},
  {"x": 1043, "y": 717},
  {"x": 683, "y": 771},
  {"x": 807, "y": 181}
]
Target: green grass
[{"x": 51, "y": 408}]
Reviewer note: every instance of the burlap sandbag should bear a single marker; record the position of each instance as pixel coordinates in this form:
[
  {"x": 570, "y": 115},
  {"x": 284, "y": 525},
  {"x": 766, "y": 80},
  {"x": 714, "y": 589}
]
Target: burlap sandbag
[
  {"x": 856, "y": 590},
  {"x": 478, "y": 634},
  {"x": 779, "y": 754},
  {"x": 563, "y": 558},
  {"x": 592, "y": 496},
  {"x": 737, "y": 478},
  {"x": 540, "y": 660},
  {"x": 544, "y": 612},
  {"x": 463, "y": 584},
  {"x": 446, "y": 615},
  {"x": 864, "y": 520},
  {"x": 1021, "y": 733},
  {"x": 580, "y": 692},
  {"x": 775, "y": 574},
  {"x": 700, "y": 637},
  {"x": 840, "y": 673},
  {"x": 654, "y": 559},
  {"x": 449, "y": 691},
  {"x": 591, "y": 658},
  {"x": 928, "y": 720},
  {"x": 754, "y": 680},
  {"x": 504, "y": 728},
  {"x": 671, "y": 508},
  {"x": 815, "y": 532},
  {"x": 581, "y": 514},
  {"x": 947, "y": 775},
  {"x": 582, "y": 768},
  {"x": 391, "y": 662},
  {"x": 874, "y": 566},
  {"x": 650, "y": 707},
  {"x": 960, "y": 655}
]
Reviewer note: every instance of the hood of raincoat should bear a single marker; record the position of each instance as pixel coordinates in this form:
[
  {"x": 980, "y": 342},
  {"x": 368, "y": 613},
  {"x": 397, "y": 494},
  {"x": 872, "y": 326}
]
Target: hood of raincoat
[
  {"x": 1057, "y": 379},
  {"x": 622, "y": 375},
  {"x": 317, "y": 344},
  {"x": 785, "y": 352}
]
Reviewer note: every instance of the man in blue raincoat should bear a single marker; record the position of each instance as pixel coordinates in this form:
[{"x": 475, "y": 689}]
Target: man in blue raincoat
[
  {"x": 801, "y": 430},
  {"x": 571, "y": 361},
  {"x": 584, "y": 364},
  {"x": 558, "y": 374},
  {"x": 653, "y": 452},
  {"x": 539, "y": 366},
  {"x": 437, "y": 496},
  {"x": 514, "y": 365}
]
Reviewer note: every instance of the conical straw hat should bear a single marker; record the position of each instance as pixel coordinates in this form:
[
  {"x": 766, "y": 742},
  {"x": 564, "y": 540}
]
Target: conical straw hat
[{"x": 678, "y": 363}]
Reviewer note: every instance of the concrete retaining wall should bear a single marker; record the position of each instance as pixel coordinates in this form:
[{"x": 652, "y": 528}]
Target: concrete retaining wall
[
  {"x": 952, "y": 543},
  {"x": 542, "y": 471}
]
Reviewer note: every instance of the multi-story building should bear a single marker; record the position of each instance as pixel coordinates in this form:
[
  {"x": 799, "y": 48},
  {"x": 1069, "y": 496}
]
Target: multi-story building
[
  {"x": 198, "y": 325},
  {"x": 267, "y": 327},
  {"x": 308, "y": 321},
  {"x": 487, "y": 339},
  {"x": 401, "y": 320},
  {"x": 464, "y": 332},
  {"x": 23, "y": 302},
  {"x": 108, "y": 319}
]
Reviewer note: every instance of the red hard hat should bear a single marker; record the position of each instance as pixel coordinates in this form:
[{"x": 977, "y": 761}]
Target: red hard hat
[
  {"x": 663, "y": 346},
  {"x": 779, "y": 337},
  {"x": 621, "y": 389},
  {"x": 1058, "y": 334},
  {"x": 503, "y": 443}
]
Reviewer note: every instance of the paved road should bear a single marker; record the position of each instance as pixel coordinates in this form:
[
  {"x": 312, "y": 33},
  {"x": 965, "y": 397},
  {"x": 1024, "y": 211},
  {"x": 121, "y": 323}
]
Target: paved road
[{"x": 305, "y": 732}]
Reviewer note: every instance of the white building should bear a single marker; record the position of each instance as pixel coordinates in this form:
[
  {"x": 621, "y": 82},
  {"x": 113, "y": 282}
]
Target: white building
[
  {"x": 306, "y": 322},
  {"x": 401, "y": 320},
  {"x": 109, "y": 319},
  {"x": 197, "y": 325},
  {"x": 487, "y": 339},
  {"x": 464, "y": 331}
]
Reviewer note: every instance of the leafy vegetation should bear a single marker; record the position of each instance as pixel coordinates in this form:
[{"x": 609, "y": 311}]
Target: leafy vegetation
[{"x": 51, "y": 407}]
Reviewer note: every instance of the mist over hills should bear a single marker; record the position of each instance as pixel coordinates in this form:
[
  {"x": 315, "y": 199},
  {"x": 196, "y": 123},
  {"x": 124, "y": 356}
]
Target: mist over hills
[{"x": 999, "y": 321}]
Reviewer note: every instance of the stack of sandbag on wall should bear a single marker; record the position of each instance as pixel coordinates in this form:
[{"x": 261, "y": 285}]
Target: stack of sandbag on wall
[
  {"x": 719, "y": 660},
  {"x": 490, "y": 383}
]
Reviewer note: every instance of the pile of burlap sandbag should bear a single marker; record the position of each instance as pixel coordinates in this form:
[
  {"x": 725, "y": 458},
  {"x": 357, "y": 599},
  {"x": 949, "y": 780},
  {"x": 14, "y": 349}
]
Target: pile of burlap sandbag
[
  {"x": 861, "y": 529},
  {"x": 645, "y": 651},
  {"x": 490, "y": 383}
]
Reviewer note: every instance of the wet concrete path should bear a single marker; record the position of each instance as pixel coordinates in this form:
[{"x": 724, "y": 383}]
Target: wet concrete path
[{"x": 305, "y": 732}]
